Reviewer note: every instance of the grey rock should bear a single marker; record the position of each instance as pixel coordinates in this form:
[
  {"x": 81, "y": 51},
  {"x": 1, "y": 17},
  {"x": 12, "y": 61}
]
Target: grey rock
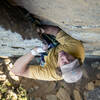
[
  {"x": 80, "y": 19},
  {"x": 51, "y": 97},
  {"x": 94, "y": 95},
  {"x": 62, "y": 94}
]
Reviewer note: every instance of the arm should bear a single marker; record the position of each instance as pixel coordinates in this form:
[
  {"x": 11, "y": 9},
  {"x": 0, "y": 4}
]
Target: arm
[
  {"x": 48, "y": 29},
  {"x": 20, "y": 66},
  {"x": 32, "y": 71}
]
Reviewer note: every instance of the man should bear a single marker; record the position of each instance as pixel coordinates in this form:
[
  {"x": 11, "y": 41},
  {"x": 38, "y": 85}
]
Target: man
[{"x": 67, "y": 56}]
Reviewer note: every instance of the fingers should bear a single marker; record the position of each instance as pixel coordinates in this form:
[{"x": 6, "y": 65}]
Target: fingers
[{"x": 40, "y": 30}]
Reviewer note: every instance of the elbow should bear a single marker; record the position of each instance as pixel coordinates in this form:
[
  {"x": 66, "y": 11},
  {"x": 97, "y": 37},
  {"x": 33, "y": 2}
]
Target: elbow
[
  {"x": 16, "y": 65},
  {"x": 15, "y": 70},
  {"x": 18, "y": 69}
]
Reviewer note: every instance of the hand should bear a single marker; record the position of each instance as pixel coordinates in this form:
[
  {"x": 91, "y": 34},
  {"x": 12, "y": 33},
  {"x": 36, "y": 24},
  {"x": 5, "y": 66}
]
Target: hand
[
  {"x": 37, "y": 50},
  {"x": 48, "y": 29}
]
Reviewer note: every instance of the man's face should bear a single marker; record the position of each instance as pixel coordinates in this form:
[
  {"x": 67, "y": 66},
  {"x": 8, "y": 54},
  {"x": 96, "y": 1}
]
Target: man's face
[{"x": 64, "y": 58}]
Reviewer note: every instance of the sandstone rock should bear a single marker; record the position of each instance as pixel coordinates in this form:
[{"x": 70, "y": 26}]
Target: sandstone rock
[
  {"x": 16, "y": 31},
  {"x": 77, "y": 95},
  {"x": 31, "y": 98},
  {"x": 12, "y": 94},
  {"x": 40, "y": 88},
  {"x": 36, "y": 87},
  {"x": 83, "y": 23},
  {"x": 97, "y": 83},
  {"x": 65, "y": 86},
  {"x": 13, "y": 76},
  {"x": 37, "y": 98},
  {"x": 85, "y": 73},
  {"x": 63, "y": 95},
  {"x": 1, "y": 69},
  {"x": 98, "y": 67},
  {"x": 98, "y": 75},
  {"x": 0, "y": 96},
  {"x": 94, "y": 94},
  {"x": 95, "y": 65},
  {"x": 85, "y": 95},
  {"x": 90, "y": 86},
  {"x": 2, "y": 77},
  {"x": 47, "y": 87},
  {"x": 7, "y": 61},
  {"x": 51, "y": 97},
  {"x": 15, "y": 48},
  {"x": 1, "y": 72},
  {"x": 30, "y": 90},
  {"x": 10, "y": 66}
]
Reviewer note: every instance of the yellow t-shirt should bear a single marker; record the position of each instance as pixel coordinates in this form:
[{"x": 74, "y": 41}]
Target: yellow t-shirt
[{"x": 48, "y": 72}]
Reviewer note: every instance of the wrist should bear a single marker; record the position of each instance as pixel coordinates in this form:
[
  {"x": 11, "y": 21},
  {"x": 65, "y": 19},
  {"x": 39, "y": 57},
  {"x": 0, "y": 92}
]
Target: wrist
[
  {"x": 37, "y": 50},
  {"x": 33, "y": 52}
]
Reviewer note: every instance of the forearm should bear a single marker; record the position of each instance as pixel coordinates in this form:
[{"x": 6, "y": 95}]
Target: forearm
[
  {"x": 20, "y": 66},
  {"x": 53, "y": 31},
  {"x": 48, "y": 29}
]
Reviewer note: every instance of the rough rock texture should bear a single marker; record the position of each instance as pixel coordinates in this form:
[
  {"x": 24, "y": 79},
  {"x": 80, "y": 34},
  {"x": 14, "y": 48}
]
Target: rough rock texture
[
  {"x": 94, "y": 95},
  {"x": 51, "y": 97},
  {"x": 15, "y": 87},
  {"x": 62, "y": 94},
  {"x": 12, "y": 44},
  {"x": 77, "y": 95},
  {"x": 90, "y": 86},
  {"x": 79, "y": 18},
  {"x": 17, "y": 31}
]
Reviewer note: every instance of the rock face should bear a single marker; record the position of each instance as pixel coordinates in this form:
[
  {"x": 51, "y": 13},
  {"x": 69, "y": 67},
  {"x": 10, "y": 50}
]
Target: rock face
[
  {"x": 86, "y": 89},
  {"x": 94, "y": 95},
  {"x": 51, "y": 97},
  {"x": 77, "y": 95},
  {"x": 17, "y": 31},
  {"x": 12, "y": 44},
  {"x": 79, "y": 18},
  {"x": 62, "y": 94}
]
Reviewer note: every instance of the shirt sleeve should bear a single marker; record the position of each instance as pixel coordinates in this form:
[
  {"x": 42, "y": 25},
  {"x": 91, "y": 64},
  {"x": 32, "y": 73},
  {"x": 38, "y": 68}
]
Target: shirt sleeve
[
  {"x": 42, "y": 73},
  {"x": 64, "y": 38}
]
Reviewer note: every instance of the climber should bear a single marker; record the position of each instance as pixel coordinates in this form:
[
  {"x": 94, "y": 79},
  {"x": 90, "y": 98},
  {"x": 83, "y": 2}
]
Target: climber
[{"x": 63, "y": 61}]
